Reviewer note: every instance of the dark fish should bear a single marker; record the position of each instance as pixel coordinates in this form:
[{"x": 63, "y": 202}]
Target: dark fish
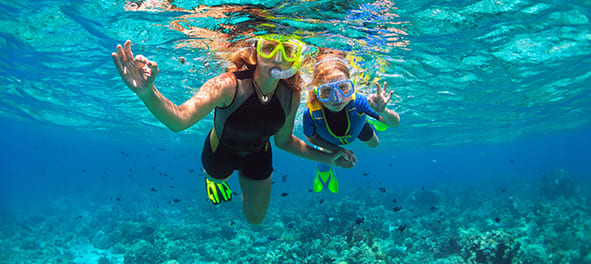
[
  {"x": 321, "y": 200},
  {"x": 171, "y": 186},
  {"x": 401, "y": 228},
  {"x": 382, "y": 189},
  {"x": 130, "y": 169},
  {"x": 235, "y": 193},
  {"x": 271, "y": 238},
  {"x": 310, "y": 190},
  {"x": 365, "y": 173},
  {"x": 153, "y": 189},
  {"x": 78, "y": 217},
  {"x": 272, "y": 182},
  {"x": 390, "y": 164},
  {"x": 84, "y": 171},
  {"x": 283, "y": 194},
  {"x": 290, "y": 225},
  {"x": 497, "y": 219},
  {"x": 397, "y": 208},
  {"x": 232, "y": 222},
  {"x": 284, "y": 178},
  {"x": 191, "y": 170},
  {"x": 511, "y": 161},
  {"x": 394, "y": 200},
  {"x": 359, "y": 220},
  {"x": 176, "y": 200},
  {"x": 423, "y": 187},
  {"x": 433, "y": 208}
]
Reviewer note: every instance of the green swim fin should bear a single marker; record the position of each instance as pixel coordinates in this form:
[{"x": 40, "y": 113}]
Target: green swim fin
[
  {"x": 325, "y": 174},
  {"x": 218, "y": 192},
  {"x": 379, "y": 126}
]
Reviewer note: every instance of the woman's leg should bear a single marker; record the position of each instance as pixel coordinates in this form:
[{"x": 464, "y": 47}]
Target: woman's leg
[{"x": 256, "y": 195}]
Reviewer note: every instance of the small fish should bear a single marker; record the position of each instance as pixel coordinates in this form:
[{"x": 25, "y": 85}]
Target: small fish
[
  {"x": 497, "y": 219},
  {"x": 153, "y": 189},
  {"x": 321, "y": 200},
  {"x": 401, "y": 228},
  {"x": 284, "y": 178},
  {"x": 511, "y": 161},
  {"x": 382, "y": 189},
  {"x": 171, "y": 186},
  {"x": 176, "y": 200},
  {"x": 272, "y": 237},
  {"x": 359, "y": 220},
  {"x": 232, "y": 222},
  {"x": 283, "y": 194},
  {"x": 365, "y": 173},
  {"x": 191, "y": 170},
  {"x": 397, "y": 208},
  {"x": 78, "y": 217},
  {"x": 433, "y": 208},
  {"x": 310, "y": 190},
  {"x": 394, "y": 200},
  {"x": 290, "y": 225}
]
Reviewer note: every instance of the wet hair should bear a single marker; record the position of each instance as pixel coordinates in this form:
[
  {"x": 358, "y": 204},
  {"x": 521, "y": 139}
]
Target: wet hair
[
  {"x": 244, "y": 57},
  {"x": 327, "y": 60}
]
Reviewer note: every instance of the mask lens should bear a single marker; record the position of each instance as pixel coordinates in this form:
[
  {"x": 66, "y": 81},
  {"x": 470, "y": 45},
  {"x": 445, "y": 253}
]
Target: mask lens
[
  {"x": 346, "y": 87},
  {"x": 291, "y": 51},
  {"x": 266, "y": 48},
  {"x": 324, "y": 92}
]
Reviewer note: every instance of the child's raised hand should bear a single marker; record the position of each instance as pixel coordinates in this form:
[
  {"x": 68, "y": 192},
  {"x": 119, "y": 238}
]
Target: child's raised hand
[{"x": 380, "y": 99}]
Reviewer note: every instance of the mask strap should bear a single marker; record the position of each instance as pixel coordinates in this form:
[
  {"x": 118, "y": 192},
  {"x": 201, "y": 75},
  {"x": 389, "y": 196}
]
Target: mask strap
[{"x": 333, "y": 58}]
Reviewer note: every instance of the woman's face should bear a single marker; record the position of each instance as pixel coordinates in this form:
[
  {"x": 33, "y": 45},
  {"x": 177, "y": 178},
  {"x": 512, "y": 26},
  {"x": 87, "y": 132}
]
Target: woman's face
[{"x": 338, "y": 101}]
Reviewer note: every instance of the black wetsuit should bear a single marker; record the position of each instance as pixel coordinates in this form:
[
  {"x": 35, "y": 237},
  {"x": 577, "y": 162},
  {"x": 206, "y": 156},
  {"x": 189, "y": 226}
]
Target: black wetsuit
[{"x": 244, "y": 128}]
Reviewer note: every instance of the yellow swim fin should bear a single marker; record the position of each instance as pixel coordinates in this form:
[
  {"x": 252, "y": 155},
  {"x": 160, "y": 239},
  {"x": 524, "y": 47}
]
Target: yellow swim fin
[
  {"x": 325, "y": 174},
  {"x": 218, "y": 192}
]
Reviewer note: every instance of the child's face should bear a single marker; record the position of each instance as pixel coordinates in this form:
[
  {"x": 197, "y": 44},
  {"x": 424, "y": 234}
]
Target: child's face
[{"x": 337, "y": 102}]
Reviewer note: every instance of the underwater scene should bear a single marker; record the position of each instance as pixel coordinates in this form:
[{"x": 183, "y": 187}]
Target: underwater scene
[{"x": 490, "y": 164}]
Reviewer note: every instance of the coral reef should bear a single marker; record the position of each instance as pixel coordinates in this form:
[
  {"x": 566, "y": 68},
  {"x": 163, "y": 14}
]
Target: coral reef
[{"x": 442, "y": 224}]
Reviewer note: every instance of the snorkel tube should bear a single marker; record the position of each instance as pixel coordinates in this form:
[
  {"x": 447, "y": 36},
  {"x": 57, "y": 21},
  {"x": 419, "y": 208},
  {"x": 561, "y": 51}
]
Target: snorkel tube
[{"x": 285, "y": 74}]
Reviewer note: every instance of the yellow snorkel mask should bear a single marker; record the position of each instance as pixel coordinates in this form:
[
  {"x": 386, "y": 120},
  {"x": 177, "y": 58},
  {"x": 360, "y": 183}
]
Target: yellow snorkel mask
[{"x": 280, "y": 47}]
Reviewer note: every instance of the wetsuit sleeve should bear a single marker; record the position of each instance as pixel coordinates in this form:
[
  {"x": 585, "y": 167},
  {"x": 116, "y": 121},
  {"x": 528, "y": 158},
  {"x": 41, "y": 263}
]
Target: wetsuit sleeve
[
  {"x": 366, "y": 133},
  {"x": 309, "y": 128},
  {"x": 363, "y": 107}
]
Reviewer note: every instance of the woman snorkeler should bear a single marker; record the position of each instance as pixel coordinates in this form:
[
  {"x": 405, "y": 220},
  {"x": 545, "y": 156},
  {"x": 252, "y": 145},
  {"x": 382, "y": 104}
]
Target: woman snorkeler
[
  {"x": 336, "y": 112},
  {"x": 255, "y": 99}
]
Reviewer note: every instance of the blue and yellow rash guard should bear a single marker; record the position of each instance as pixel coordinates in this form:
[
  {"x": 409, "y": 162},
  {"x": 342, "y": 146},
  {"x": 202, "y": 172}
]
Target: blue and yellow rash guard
[{"x": 343, "y": 127}]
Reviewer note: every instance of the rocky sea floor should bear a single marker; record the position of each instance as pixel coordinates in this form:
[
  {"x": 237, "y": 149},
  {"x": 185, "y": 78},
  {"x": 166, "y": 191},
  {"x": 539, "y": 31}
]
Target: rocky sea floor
[{"x": 547, "y": 221}]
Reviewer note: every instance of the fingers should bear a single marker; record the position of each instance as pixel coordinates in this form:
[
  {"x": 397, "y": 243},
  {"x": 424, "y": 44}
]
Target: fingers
[
  {"x": 378, "y": 88},
  {"x": 127, "y": 49},
  {"x": 389, "y": 96},
  {"x": 120, "y": 54},
  {"x": 117, "y": 62}
]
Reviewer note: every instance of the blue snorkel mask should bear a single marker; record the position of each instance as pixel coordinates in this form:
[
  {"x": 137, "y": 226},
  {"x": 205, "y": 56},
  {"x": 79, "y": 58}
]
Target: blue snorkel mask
[{"x": 335, "y": 92}]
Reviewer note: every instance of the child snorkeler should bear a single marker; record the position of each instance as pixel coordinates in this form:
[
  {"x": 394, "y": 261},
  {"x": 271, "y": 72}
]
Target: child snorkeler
[{"x": 336, "y": 113}]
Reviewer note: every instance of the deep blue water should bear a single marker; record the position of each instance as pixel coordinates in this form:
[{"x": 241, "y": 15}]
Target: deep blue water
[{"x": 494, "y": 98}]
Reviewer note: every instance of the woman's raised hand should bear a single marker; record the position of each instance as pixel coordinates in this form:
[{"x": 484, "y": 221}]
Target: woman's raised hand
[{"x": 137, "y": 73}]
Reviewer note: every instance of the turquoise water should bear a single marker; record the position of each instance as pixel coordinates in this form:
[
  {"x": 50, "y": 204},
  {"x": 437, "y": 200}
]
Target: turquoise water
[{"x": 489, "y": 165}]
